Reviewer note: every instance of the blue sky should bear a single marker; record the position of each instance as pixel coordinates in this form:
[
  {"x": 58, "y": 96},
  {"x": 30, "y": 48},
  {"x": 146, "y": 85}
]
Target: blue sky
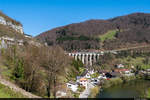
[{"x": 41, "y": 15}]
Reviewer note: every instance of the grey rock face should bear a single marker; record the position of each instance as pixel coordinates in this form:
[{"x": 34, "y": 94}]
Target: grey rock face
[{"x": 17, "y": 28}]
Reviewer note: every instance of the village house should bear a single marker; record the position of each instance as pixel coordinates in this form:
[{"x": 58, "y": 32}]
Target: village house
[
  {"x": 86, "y": 74},
  {"x": 124, "y": 71},
  {"x": 148, "y": 70},
  {"x": 78, "y": 79},
  {"x": 95, "y": 81},
  {"x": 72, "y": 86},
  {"x": 27, "y": 36},
  {"x": 119, "y": 66},
  {"x": 91, "y": 71},
  {"x": 102, "y": 76},
  {"x": 127, "y": 71},
  {"x": 84, "y": 82},
  {"x": 132, "y": 67}
]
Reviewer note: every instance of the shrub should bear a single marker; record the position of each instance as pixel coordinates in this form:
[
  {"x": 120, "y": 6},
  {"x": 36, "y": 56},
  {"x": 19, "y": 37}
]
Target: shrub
[
  {"x": 94, "y": 75},
  {"x": 111, "y": 82},
  {"x": 148, "y": 93},
  {"x": 81, "y": 88},
  {"x": 94, "y": 92},
  {"x": 76, "y": 95},
  {"x": 128, "y": 78}
]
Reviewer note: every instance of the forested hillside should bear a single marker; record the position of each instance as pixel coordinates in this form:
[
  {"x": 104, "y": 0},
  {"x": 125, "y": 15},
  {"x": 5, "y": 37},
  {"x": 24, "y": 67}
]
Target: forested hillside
[{"x": 118, "y": 32}]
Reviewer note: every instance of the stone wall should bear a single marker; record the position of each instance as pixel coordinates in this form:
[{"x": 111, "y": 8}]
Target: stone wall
[{"x": 18, "y": 28}]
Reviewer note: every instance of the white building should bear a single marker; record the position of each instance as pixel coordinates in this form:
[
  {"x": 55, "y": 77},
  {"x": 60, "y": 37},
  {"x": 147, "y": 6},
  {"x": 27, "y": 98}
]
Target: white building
[
  {"x": 95, "y": 80},
  {"x": 132, "y": 66},
  {"x": 148, "y": 70},
  {"x": 127, "y": 72},
  {"x": 91, "y": 71},
  {"x": 27, "y": 36},
  {"x": 88, "y": 75},
  {"x": 84, "y": 82},
  {"x": 120, "y": 66},
  {"x": 78, "y": 79},
  {"x": 72, "y": 86}
]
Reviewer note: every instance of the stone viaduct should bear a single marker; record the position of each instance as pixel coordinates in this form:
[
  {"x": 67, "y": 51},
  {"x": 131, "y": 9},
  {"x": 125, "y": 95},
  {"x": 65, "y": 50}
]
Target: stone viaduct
[{"x": 88, "y": 58}]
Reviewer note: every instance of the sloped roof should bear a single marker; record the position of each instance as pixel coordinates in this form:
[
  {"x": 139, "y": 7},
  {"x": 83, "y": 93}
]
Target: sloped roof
[{"x": 83, "y": 79}]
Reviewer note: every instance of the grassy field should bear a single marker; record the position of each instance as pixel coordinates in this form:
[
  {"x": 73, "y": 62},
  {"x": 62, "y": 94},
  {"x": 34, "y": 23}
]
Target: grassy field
[
  {"x": 6, "y": 92},
  {"x": 132, "y": 61},
  {"x": 108, "y": 36},
  {"x": 138, "y": 61}
]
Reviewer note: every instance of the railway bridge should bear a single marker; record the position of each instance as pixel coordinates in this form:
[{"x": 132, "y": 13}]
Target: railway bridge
[{"x": 87, "y": 58}]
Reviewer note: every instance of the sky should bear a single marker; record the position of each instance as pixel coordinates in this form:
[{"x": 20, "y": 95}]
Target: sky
[{"x": 38, "y": 16}]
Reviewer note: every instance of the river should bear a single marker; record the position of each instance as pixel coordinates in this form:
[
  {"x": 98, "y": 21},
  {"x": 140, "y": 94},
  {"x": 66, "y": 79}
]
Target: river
[{"x": 136, "y": 88}]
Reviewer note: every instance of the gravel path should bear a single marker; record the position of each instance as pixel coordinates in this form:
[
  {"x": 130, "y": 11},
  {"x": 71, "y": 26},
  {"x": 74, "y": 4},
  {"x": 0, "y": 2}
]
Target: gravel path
[
  {"x": 87, "y": 91},
  {"x": 17, "y": 89}
]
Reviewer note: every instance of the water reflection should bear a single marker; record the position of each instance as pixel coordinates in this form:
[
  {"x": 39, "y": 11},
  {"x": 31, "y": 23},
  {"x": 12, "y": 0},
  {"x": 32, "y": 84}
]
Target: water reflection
[{"x": 132, "y": 89}]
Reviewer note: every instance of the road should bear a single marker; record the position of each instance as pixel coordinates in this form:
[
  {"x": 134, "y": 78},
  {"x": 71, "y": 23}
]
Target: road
[
  {"x": 136, "y": 47},
  {"x": 87, "y": 91}
]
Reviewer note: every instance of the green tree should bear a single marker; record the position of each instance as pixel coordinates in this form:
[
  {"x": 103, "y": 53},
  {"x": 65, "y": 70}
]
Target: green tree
[
  {"x": 18, "y": 71},
  {"x": 146, "y": 60},
  {"x": 77, "y": 64}
]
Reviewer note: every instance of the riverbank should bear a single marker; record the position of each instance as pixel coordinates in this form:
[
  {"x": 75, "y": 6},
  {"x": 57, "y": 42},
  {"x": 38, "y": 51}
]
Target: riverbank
[
  {"x": 132, "y": 89},
  {"x": 109, "y": 83},
  {"x": 94, "y": 92}
]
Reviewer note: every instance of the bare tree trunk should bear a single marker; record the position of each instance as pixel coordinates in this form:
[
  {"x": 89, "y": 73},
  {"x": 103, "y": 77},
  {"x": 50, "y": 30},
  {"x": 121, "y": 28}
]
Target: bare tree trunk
[
  {"x": 32, "y": 81},
  {"x": 55, "y": 86},
  {"x": 48, "y": 90},
  {"x": 49, "y": 84}
]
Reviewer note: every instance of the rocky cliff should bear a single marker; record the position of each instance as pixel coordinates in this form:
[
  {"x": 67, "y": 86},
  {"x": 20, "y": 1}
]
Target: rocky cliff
[{"x": 7, "y": 21}]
